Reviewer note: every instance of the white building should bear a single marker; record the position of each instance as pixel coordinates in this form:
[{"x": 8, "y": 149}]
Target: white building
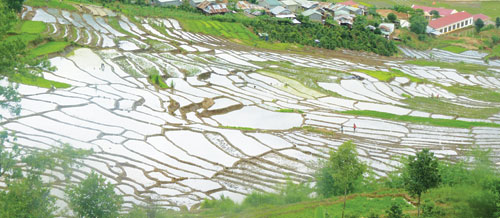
[{"x": 452, "y": 22}]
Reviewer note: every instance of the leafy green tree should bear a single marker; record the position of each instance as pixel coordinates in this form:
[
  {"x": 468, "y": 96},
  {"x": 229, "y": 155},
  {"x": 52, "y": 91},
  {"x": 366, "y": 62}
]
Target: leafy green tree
[
  {"x": 392, "y": 17},
  {"x": 395, "y": 211},
  {"x": 421, "y": 174},
  {"x": 478, "y": 24},
  {"x": 27, "y": 197},
  {"x": 435, "y": 14},
  {"x": 93, "y": 197},
  {"x": 346, "y": 167},
  {"x": 16, "y": 5},
  {"x": 325, "y": 185},
  {"x": 418, "y": 24}
]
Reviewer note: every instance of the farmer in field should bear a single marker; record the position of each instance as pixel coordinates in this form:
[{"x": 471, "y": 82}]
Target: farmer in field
[
  {"x": 354, "y": 127},
  {"x": 342, "y": 128}
]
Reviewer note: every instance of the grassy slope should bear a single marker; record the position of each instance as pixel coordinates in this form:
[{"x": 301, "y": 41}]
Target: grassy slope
[
  {"x": 438, "y": 106},
  {"x": 388, "y": 76},
  {"x": 48, "y": 48},
  {"x": 460, "y": 67},
  {"x": 420, "y": 120},
  {"x": 33, "y": 27},
  {"x": 37, "y": 81}
]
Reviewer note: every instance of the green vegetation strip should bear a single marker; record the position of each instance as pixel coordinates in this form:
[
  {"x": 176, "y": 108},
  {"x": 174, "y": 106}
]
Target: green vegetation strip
[
  {"x": 51, "y": 4},
  {"x": 460, "y": 67},
  {"x": 290, "y": 110},
  {"x": 33, "y": 27},
  {"x": 238, "y": 128},
  {"x": 388, "y": 76},
  {"x": 420, "y": 120},
  {"x": 33, "y": 80},
  {"x": 48, "y": 48},
  {"x": 454, "y": 49},
  {"x": 438, "y": 106}
]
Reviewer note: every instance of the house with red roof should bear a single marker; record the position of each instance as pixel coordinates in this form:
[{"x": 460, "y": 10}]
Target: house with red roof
[
  {"x": 452, "y": 22},
  {"x": 483, "y": 17},
  {"x": 443, "y": 12},
  {"x": 349, "y": 3}
]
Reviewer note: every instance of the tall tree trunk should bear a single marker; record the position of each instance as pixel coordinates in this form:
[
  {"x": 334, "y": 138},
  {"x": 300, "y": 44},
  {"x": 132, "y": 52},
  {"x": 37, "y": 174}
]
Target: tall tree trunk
[
  {"x": 345, "y": 195},
  {"x": 418, "y": 206}
]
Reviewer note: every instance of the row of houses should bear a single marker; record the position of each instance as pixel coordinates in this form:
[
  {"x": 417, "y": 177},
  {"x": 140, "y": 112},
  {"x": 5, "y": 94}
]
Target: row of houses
[
  {"x": 344, "y": 13},
  {"x": 449, "y": 19}
]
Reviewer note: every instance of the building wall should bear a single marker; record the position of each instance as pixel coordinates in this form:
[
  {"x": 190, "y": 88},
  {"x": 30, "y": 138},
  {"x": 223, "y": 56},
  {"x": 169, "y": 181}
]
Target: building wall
[
  {"x": 292, "y": 8},
  {"x": 458, "y": 25},
  {"x": 315, "y": 17}
]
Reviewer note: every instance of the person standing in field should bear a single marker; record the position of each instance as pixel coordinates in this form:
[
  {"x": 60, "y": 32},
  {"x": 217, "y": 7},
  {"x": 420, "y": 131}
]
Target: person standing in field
[{"x": 354, "y": 127}]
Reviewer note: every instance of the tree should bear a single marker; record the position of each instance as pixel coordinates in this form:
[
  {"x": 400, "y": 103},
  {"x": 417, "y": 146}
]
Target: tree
[
  {"x": 395, "y": 211},
  {"x": 16, "y": 5},
  {"x": 345, "y": 167},
  {"x": 420, "y": 174},
  {"x": 418, "y": 24},
  {"x": 435, "y": 14},
  {"x": 478, "y": 24},
  {"x": 392, "y": 17},
  {"x": 93, "y": 197},
  {"x": 497, "y": 22}
]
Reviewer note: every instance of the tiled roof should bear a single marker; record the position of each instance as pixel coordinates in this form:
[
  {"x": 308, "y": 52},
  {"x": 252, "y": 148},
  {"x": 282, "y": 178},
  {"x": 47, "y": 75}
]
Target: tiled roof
[
  {"x": 348, "y": 3},
  {"x": 443, "y": 12},
  {"x": 482, "y": 16},
  {"x": 445, "y": 21}
]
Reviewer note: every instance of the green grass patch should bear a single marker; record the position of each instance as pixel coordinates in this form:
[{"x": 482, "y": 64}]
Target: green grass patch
[
  {"x": 65, "y": 5},
  {"x": 238, "y": 128},
  {"x": 420, "y": 120},
  {"x": 438, "y": 106},
  {"x": 312, "y": 129},
  {"x": 32, "y": 80},
  {"x": 25, "y": 37},
  {"x": 290, "y": 110},
  {"x": 388, "y": 76},
  {"x": 357, "y": 207},
  {"x": 454, "y": 49},
  {"x": 460, "y": 67},
  {"x": 157, "y": 81},
  {"x": 48, "y": 48},
  {"x": 474, "y": 92},
  {"x": 33, "y": 27}
]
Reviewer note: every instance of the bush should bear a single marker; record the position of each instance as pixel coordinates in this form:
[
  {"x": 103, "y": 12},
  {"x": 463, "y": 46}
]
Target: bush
[
  {"x": 396, "y": 212},
  {"x": 223, "y": 204},
  {"x": 257, "y": 199},
  {"x": 293, "y": 193}
]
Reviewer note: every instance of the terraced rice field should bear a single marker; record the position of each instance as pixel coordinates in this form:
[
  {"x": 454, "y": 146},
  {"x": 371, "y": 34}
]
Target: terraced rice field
[{"x": 217, "y": 129}]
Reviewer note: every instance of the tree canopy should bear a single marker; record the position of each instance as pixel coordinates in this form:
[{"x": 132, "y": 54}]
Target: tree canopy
[
  {"x": 421, "y": 173},
  {"x": 94, "y": 197},
  {"x": 418, "y": 23},
  {"x": 346, "y": 168},
  {"x": 478, "y": 24}
]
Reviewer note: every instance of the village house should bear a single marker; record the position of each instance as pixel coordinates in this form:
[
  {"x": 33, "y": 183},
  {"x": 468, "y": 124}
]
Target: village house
[
  {"x": 452, "y": 22},
  {"x": 313, "y": 15},
  {"x": 309, "y": 5},
  {"x": 195, "y": 3},
  {"x": 281, "y": 12},
  {"x": 269, "y": 4},
  {"x": 386, "y": 28},
  {"x": 290, "y": 5},
  {"x": 213, "y": 8},
  {"x": 486, "y": 19},
  {"x": 443, "y": 12},
  {"x": 244, "y": 5},
  {"x": 165, "y": 3}
]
